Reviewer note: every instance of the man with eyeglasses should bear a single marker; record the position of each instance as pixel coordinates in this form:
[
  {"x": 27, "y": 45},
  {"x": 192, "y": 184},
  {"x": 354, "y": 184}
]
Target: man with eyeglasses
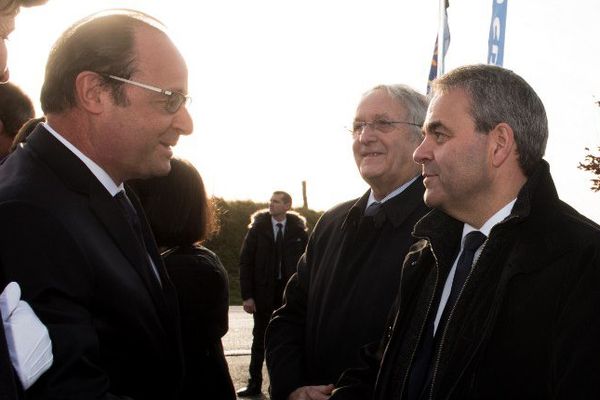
[
  {"x": 114, "y": 98},
  {"x": 347, "y": 279}
]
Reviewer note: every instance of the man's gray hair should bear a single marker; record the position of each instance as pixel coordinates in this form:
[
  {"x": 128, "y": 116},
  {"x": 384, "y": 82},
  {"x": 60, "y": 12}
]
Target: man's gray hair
[{"x": 414, "y": 102}]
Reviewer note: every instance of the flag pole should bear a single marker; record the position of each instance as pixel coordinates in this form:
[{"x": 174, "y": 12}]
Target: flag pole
[{"x": 441, "y": 37}]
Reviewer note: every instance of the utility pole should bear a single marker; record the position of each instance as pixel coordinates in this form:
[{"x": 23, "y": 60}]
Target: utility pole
[{"x": 304, "y": 197}]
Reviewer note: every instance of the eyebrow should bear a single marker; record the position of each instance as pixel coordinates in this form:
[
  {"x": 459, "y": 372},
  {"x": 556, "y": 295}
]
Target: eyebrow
[{"x": 432, "y": 126}]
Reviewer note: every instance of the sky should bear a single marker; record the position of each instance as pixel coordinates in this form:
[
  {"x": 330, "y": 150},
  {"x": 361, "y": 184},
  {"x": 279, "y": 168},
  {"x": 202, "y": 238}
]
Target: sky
[{"x": 274, "y": 83}]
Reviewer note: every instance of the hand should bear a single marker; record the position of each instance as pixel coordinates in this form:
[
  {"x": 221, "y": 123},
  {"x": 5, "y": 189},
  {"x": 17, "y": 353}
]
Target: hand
[
  {"x": 322, "y": 392},
  {"x": 249, "y": 306},
  {"x": 29, "y": 344}
]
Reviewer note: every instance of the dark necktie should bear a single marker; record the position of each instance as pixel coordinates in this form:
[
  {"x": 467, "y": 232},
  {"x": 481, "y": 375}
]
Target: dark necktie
[
  {"x": 420, "y": 374},
  {"x": 463, "y": 267},
  {"x": 372, "y": 209},
  {"x": 131, "y": 214},
  {"x": 279, "y": 248},
  {"x": 134, "y": 222}
]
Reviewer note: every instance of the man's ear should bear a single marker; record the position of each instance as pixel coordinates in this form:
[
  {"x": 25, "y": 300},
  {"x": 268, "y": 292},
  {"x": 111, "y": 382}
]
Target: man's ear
[
  {"x": 502, "y": 142},
  {"x": 90, "y": 93}
]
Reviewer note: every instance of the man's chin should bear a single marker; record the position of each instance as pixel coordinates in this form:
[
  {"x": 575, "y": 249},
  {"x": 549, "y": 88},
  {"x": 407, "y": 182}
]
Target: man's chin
[
  {"x": 430, "y": 199},
  {"x": 370, "y": 175}
]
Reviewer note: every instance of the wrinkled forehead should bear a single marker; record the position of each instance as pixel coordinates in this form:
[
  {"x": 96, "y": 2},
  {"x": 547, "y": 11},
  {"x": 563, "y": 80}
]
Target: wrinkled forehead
[{"x": 379, "y": 103}]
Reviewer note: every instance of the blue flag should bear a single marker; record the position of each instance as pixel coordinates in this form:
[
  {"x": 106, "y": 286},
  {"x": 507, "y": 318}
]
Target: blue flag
[
  {"x": 497, "y": 30},
  {"x": 433, "y": 71}
]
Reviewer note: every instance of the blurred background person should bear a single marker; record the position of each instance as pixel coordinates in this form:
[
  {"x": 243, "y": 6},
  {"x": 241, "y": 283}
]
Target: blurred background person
[
  {"x": 275, "y": 241},
  {"x": 16, "y": 108},
  {"x": 182, "y": 217}
]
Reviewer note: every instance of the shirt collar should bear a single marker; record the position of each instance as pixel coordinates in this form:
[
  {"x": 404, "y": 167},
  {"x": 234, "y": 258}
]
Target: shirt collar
[
  {"x": 274, "y": 222},
  {"x": 495, "y": 219},
  {"x": 392, "y": 194},
  {"x": 98, "y": 172}
]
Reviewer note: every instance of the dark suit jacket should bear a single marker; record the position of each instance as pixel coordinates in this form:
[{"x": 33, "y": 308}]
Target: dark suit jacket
[
  {"x": 114, "y": 329},
  {"x": 257, "y": 257}
]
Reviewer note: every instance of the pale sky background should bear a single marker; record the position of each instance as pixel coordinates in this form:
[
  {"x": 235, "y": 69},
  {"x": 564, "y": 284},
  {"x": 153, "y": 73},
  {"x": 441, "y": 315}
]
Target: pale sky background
[{"x": 275, "y": 82}]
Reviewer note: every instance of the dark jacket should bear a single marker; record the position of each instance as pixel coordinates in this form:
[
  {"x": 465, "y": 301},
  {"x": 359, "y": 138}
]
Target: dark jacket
[
  {"x": 526, "y": 324},
  {"x": 257, "y": 257},
  {"x": 203, "y": 293},
  {"x": 66, "y": 241},
  {"x": 340, "y": 298}
]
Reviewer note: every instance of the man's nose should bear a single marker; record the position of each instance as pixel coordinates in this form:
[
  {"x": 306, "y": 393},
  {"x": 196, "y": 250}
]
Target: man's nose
[
  {"x": 183, "y": 121},
  {"x": 423, "y": 152}
]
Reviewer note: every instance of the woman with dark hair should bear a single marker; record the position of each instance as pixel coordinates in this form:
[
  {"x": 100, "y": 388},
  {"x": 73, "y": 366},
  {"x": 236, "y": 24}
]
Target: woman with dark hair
[{"x": 182, "y": 217}]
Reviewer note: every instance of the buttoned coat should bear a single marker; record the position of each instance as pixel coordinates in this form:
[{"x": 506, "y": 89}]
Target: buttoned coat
[{"x": 257, "y": 257}]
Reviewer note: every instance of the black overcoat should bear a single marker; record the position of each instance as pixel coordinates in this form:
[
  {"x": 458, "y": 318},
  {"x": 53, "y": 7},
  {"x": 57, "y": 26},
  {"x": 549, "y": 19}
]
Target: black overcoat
[
  {"x": 526, "y": 325},
  {"x": 340, "y": 298},
  {"x": 203, "y": 291},
  {"x": 257, "y": 257}
]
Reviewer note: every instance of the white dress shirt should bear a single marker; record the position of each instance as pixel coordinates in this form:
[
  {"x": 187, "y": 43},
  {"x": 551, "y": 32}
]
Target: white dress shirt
[
  {"x": 100, "y": 174},
  {"x": 486, "y": 228},
  {"x": 392, "y": 194}
]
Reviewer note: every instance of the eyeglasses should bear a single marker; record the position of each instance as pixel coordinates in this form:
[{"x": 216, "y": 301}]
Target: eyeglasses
[
  {"x": 174, "y": 99},
  {"x": 380, "y": 125}
]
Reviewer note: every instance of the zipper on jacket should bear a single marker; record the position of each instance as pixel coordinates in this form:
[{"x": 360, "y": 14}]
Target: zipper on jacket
[
  {"x": 440, "y": 347},
  {"x": 412, "y": 356}
]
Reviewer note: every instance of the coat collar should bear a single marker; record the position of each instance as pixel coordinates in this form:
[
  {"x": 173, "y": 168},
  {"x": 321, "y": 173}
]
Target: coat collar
[
  {"x": 535, "y": 197},
  {"x": 396, "y": 210}
]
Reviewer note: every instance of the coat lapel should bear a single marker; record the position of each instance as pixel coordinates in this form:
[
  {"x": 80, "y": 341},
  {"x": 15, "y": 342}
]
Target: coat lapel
[{"x": 79, "y": 178}]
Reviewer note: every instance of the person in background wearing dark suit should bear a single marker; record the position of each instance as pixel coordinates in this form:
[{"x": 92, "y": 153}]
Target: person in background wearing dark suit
[
  {"x": 499, "y": 296},
  {"x": 348, "y": 277},
  {"x": 114, "y": 97},
  {"x": 25, "y": 345},
  {"x": 182, "y": 217},
  {"x": 15, "y": 110},
  {"x": 275, "y": 241}
]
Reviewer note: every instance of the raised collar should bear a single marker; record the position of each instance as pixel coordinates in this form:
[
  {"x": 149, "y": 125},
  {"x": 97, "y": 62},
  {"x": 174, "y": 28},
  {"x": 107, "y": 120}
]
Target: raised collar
[{"x": 538, "y": 192}]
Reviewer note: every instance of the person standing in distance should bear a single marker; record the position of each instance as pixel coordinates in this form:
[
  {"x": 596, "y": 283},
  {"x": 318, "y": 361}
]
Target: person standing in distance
[{"x": 275, "y": 241}]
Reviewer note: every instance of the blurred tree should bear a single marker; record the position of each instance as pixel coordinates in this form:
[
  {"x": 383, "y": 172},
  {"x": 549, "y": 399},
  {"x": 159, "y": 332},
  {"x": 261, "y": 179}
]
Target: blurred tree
[{"x": 592, "y": 164}]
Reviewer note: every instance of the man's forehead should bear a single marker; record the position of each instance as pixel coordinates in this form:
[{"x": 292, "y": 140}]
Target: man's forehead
[
  {"x": 379, "y": 103},
  {"x": 7, "y": 24}
]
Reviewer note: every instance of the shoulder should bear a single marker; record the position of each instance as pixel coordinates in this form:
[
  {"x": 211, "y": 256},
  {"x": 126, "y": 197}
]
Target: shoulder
[
  {"x": 295, "y": 219},
  {"x": 574, "y": 228},
  {"x": 260, "y": 218},
  {"x": 341, "y": 210},
  {"x": 196, "y": 255}
]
